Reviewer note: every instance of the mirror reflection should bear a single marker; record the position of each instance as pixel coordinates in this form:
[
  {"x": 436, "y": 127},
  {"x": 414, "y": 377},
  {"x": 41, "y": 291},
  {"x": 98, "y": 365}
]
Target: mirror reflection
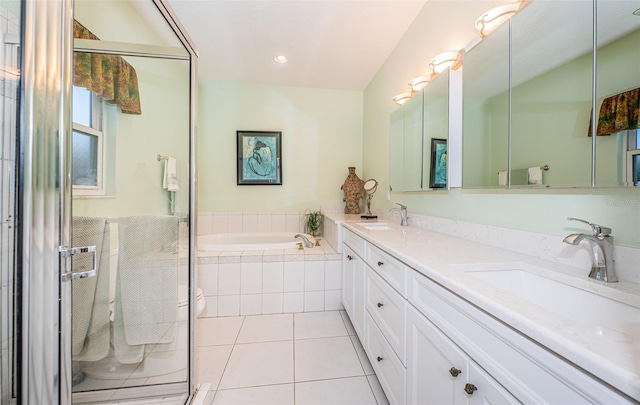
[
  {"x": 551, "y": 94},
  {"x": 418, "y": 138},
  {"x": 486, "y": 111},
  {"x": 547, "y": 122},
  {"x": 618, "y": 94}
]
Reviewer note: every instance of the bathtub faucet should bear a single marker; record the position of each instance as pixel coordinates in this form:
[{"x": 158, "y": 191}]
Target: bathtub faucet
[{"x": 305, "y": 239}]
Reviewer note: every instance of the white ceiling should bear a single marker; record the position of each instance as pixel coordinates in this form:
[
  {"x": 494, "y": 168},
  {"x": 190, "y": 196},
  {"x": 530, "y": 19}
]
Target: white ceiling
[{"x": 331, "y": 44}]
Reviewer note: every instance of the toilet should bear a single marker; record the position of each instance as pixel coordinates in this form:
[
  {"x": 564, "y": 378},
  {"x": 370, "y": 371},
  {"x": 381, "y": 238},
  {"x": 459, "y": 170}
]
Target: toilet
[{"x": 161, "y": 359}]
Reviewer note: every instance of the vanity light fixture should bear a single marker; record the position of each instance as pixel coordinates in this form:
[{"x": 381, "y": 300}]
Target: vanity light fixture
[
  {"x": 419, "y": 83},
  {"x": 637, "y": 12},
  {"x": 402, "y": 98},
  {"x": 280, "y": 59},
  {"x": 442, "y": 61},
  {"x": 490, "y": 20}
]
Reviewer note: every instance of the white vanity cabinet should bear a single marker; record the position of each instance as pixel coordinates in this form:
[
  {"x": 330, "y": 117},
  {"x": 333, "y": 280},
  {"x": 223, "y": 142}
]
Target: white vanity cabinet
[{"x": 430, "y": 345}]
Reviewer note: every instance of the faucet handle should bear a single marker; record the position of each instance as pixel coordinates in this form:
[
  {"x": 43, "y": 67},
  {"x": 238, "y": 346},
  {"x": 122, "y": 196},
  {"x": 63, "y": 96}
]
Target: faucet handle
[
  {"x": 404, "y": 207},
  {"x": 599, "y": 231}
]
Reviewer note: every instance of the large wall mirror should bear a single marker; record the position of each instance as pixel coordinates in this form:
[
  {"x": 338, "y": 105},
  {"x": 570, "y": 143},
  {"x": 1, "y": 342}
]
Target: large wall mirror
[
  {"x": 418, "y": 136},
  {"x": 486, "y": 111},
  {"x": 528, "y": 124}
]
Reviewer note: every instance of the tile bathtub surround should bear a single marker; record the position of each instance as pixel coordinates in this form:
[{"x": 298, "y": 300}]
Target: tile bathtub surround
[
  {"x": 250, "y": 221},
  {"x": 270, "y": 282},
  {"x": 306, "y": 358}
]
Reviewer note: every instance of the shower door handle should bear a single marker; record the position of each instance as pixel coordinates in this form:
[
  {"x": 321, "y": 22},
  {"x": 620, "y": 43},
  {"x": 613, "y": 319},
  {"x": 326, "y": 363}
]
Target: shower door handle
[{"x": 68, "y": 252}]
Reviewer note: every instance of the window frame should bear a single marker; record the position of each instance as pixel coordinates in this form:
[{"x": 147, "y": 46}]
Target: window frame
[
  {"x": 633, "y": 149},
  {"x": 97, "y": 129}
]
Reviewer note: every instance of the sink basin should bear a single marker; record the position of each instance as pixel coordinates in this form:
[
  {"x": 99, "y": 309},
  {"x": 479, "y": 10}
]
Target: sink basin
[
  {"x": 581, "y": 306},
  {"x": 375, "y": 226}
]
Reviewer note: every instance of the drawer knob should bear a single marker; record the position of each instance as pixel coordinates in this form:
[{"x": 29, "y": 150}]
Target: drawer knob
[
  {"x": 454, "y": 372},
  {"x": 380, "y": 304},
  {"x": 380, "y": 263},
  {"x": 349, "y": 257},
  {"x": 470, "y": 388},
  {"x": 379, "y": 358}
]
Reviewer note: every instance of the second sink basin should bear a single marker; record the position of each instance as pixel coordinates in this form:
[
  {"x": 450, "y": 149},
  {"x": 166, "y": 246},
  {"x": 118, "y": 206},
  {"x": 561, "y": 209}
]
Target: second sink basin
[
  {"x": 375, "y": 226},
  {"x": 579, "y": 305}
]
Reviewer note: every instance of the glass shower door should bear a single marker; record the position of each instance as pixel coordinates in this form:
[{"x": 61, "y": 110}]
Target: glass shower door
[
  {"x": 9, "y": 85},
  {"x": 130, "y": 337}
]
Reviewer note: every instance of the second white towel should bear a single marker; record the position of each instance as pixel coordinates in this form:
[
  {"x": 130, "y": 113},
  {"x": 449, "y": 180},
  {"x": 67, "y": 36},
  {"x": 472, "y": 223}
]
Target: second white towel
[
  {"x": 170, "y": 180},
  {"x": 535, "y": 175}
]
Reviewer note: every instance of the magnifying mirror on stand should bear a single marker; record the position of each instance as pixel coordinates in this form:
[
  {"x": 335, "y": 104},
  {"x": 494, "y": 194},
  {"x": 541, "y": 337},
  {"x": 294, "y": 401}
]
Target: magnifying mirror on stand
[{"x": 370, "y": 187}]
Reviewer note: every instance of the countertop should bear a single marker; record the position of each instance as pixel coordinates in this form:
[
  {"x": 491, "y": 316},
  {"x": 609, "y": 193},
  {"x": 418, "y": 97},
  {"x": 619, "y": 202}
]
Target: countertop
[{"x": 611, "y": 355}]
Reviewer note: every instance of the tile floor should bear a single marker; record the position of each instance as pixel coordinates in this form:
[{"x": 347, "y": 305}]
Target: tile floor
[{"x": 302, "y": 358}]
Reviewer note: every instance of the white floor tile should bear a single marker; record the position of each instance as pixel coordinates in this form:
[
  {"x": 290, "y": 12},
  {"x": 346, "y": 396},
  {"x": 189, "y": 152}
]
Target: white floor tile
[
  {"x": 217, "y": 331},
  {"x": 381, "y": 398},
  {"x": 281, "y": 394},
  {"x": 347, "y": 391},
  {"x": 266, "y": 328},
  {"x": 210, "y": 363},
  {"x": 362, "y": 356},
  {"x": 347, "y": 323},
  {"x": 325, "y": 358},
  {"x": 256, "y": 364},
  {"x": 319, "y": 324}
]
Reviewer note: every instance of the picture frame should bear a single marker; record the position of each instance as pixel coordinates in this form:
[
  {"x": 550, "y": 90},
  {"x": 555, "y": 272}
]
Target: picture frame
[
  {"x": 439, "y": 157},
  {"x": 259, "y": 156}
]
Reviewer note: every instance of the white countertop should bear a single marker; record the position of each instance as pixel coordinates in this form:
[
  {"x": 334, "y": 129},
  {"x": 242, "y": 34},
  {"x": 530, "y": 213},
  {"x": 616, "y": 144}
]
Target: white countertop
[{"x": 613, "y": 356}]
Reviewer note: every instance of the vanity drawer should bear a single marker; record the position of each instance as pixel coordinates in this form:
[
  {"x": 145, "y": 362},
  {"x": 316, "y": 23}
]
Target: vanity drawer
[
  {"x": 354, "y": 242},
  {"x": 390, "y": 268},
  {"x": 389, "y": 369},
  {"x": 388, "y": 310}
]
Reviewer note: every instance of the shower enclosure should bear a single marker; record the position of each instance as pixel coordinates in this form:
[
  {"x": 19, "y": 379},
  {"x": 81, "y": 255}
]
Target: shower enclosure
[{"x": 98, "y": 295}]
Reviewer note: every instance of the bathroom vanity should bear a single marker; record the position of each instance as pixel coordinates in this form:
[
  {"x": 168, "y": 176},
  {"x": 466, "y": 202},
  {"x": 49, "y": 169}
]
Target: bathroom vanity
[{"x": 448, "y": 320}]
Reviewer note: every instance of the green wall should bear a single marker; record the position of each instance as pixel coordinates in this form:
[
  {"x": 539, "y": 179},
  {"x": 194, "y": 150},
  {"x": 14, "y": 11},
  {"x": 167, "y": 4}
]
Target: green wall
[{"x": 321, "y": 137}]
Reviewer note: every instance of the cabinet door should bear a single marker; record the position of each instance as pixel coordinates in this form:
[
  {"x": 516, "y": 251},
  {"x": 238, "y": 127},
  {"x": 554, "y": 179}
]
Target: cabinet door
[
  {"x": 353, "y": 288},
  {"x": 348, "y": 262},
  {"x": 437, "y": 370},
  {"x": 485, "y": 390},
  {"x": 359, "y": 268}
]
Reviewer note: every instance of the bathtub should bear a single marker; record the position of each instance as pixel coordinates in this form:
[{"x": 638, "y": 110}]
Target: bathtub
[{"x": 233, "y": 242}]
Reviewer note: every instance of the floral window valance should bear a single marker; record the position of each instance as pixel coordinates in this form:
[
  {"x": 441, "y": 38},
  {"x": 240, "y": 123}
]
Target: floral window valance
[
  {"x": 619, "y": 113},
  {"x": 109, "y": 76}
]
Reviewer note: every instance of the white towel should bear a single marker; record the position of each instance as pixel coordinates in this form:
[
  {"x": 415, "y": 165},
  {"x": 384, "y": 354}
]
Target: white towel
[
  {"x": 535, "y": 175},
  {"x": 502, "y": 178},
  {"x": 90, "y": 318},
  {"x": 170, "y": 180},
  {"x": 146, "y": 307}
]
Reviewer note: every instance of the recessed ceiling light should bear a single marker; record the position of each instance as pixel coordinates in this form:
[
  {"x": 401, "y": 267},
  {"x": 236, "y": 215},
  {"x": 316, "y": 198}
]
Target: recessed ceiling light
[{"x": 280, "y": 59}]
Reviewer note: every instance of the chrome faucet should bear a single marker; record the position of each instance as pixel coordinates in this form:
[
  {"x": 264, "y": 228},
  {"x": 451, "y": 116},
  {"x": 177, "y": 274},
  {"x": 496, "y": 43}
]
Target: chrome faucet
[
  {"x": 601, "y": 243},
  {"x": 305, "y": 239},
  {"x": 403, "y": 214}
]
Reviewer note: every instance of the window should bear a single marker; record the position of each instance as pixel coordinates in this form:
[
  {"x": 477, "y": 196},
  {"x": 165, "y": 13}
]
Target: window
[{"x": 88, "y": 143}]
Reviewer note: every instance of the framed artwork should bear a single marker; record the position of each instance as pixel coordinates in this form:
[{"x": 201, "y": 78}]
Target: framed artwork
[
  {"x": 259, "y": 157},
  {"x": 438, "y": 177}
]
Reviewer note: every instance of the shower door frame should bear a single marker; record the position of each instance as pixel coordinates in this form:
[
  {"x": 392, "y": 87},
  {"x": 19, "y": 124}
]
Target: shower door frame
[
  {"x": 163, "y": 53},
  {"x": 43, "y": 195},
  {"x": 189, "y": 54}
]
